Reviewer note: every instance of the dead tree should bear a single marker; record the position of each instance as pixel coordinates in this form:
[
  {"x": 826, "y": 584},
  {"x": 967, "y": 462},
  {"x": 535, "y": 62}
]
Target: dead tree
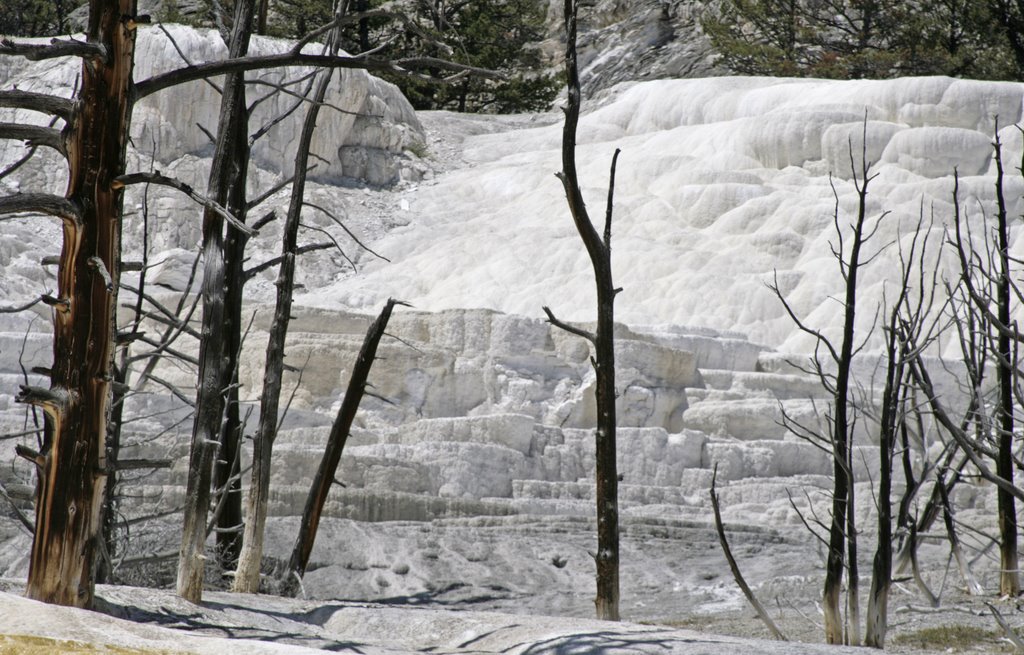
[
  {"x": 602, "y": 339},
  {"x": 902, "y": 331},
  {"x": 1009, "y": 579},
  {"x": 213, "y": 372},
  {"x": 839, "y": 387},
  {"x": 986, "y": 278},
  {"x": 71, "y": 465},
  {"x": 327, "y": 471},
  {"x": 226, "y": 474},
  {"x": 247, "y": 575}
]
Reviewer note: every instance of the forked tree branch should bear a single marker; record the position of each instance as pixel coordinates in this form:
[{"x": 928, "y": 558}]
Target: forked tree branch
[
  {"x": 571, "y": 329},
  {"x": 157, "y": 178}
]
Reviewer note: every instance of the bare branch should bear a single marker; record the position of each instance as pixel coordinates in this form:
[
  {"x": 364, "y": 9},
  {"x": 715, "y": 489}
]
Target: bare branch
[
  {"x": 580, "y": 332},
  {"x": 56, "y": 48},
  {"x": 334, "y": 241},
  {"x": 41, "y": 102},
  {"x": 29, "y": 454},
  {"x": 40, "y": 203},
  {"x": 177, "y": 393},
  {"x": 157, "y": 178},
  {"x": 135, "y": 464},
  {"x": 259, "y": 268},
  {"x": 271, "y": 191},
  {"x": 734, "y": 567},
  {"x": 96, "y": 264},
  {"x": 337, "y": 221},
  {"x": 184, "y": 58},
  {"x": 19, "y": 163},
  {"x": 1018, "y": 643},
  {"x": 24, "y": 520},
  {"x": 20, "y": 308},
  {"x": 196, "y": 72},
  {"x": 33, "y": 135},
  {"x": 50, "y": 400}
]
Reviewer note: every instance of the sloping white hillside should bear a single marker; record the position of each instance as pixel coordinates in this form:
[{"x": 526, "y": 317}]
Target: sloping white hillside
[{"x": 721, "y": 182}]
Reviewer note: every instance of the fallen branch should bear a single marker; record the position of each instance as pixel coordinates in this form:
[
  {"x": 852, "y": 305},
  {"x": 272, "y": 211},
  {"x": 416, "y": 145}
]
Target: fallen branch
[
  {"x": 326, "y": 473},
  {"x": 740, "y": 581},
  {"x": 1018, "y": 644}
]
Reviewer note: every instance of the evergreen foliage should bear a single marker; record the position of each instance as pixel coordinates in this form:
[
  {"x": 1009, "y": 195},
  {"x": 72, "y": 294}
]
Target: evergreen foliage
[
  {"x": 36, "y": 17},
  {"x": 849, "y": 39},
  {"x": 489, "y": 34}
]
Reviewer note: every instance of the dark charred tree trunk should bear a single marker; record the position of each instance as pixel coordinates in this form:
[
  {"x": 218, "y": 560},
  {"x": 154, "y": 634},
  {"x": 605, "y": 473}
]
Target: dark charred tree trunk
[
  {"x": 325, "y": 475},
  {"x": 902, "y": 328},
  {"x": 364, "y": 25},
  {"x": 213, "y": 372},
  {"x": 1009, "y": 580},
  {"x": 261, "y": 18},
  {"x": 841, "y": 480},
  {"x": 226, "y": 478},
  {"x": 881, "y": 569},
  {"x": 599, "y": 251},
  {"x": 247, "y": 575},
  {"x": 72, "y": 464},
  {"x": 852, "y": 565}
]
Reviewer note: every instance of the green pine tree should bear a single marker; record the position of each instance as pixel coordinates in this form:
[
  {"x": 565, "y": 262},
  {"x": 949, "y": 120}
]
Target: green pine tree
[
  {"x": 847, "y": 39},
  {"x": 37, "y": 17},
  {"x": 496, "y": 35}
]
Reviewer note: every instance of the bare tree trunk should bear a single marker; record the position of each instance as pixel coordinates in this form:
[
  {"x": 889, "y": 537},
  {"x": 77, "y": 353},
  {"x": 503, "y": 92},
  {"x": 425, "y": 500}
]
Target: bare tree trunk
[
  {"x": 325, "y": 474},
  {"x": 1009, "y": 580},
  {"x": 607, "y": 557},
  {"x": 853, "y": 568},
  {"x": 212, "y": 370},
  {"x": 842, "y": 475},
  {"x": 881, "y": 570},
  {"x": 261, "y": 20},
  {"x": 72, "y": 464},
  {"x": 226, "y": 471},
  {"x": 247, "y": 575}
]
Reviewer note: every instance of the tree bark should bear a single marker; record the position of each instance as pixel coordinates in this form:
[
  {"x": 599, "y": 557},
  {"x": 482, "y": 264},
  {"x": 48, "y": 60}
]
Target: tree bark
[
  {"x": 1009, "y": 580},
  {"x": 840, "y": 437},
  {"x": 607, "y": 557},
  {"x": 73, "y": 463},
  {"x": 209, "y": 414},
  {"x": 325, "y": 475},
  {"x": 881, "y": 569},
  {"x": 226, "y": 477},
  {"x": 247, "y": 575}
]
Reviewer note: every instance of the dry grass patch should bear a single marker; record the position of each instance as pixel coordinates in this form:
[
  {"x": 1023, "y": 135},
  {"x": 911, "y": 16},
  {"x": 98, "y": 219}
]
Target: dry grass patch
[
  {"x": 29, "y": 645},
  {"x": 955, "y": 638}
]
